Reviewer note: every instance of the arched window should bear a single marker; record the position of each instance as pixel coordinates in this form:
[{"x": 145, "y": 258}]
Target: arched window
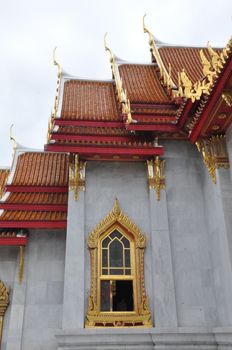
[{"x": 117, "y": 295}]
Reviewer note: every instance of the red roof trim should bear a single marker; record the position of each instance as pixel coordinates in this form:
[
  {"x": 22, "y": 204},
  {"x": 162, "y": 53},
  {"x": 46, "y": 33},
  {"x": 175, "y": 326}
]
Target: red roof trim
[
  {"x": 33, "y": 224},
  {"x": 166, "y": 118},
  {"x": 74, "y": 122},
  {"x": 106, "y": 150},
  {"x": 48, "y": 189},
  {"x": 13, "y": 241},
  {"x": 72, "y": 137},
  {"x": 36, "y": 207},
  {"x": 210, "y": 103},
  {"x": 185, "y": 113},
  {"x": 153, "y": 127}
]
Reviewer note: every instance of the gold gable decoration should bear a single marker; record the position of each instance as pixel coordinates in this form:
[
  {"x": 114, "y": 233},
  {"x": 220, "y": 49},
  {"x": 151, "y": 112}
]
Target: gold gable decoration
[
  {"x": 4, "y": 302},
  {"x": 210, "y": 72},
  {"x": 141, "y": 317}
]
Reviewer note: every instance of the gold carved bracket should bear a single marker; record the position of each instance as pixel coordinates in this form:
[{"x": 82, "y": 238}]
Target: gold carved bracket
[
  {"x": 76, "y": 175},
  {"x": 214, "y": 153},
  {"x": 156, "y": 176},
  {"x": 4, "y": 303},
  {"x": 141, "y": 317}
]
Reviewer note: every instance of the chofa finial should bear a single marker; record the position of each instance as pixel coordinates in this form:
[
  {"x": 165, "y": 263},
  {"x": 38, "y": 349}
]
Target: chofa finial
[
  {"x": 56, "y": 63},
  {"x": 12, "y": 138}
]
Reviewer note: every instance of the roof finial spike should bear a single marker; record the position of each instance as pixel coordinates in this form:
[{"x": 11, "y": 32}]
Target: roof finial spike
[
  {"x": 116, "y": 208},
  {"x": 56, "y": 63},
  {"x": 144, "y": 26},
  {"x": 12, "y": 138},
  {"x": 108, "y": 49}
]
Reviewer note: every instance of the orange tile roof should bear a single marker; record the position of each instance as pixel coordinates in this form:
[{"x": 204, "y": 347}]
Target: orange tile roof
[
  {"x": 13, "y": 215},
  {"x": 3, "y": 178},
  {"x": 184, "y": 57},
  {"x": 37, "y": 198},
  {"x": 41, "y": 169},
  {"x": 89, "y": 100},
  {"x": 142, "y": 84}
]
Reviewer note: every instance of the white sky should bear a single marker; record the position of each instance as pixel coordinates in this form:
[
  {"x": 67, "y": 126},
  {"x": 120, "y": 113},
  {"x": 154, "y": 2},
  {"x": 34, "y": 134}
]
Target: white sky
[{"x": 29, "y": 30}]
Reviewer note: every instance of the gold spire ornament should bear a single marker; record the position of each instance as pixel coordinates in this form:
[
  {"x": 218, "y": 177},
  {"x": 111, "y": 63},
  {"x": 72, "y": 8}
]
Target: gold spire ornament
[
  {"x": 57, "y": 96},
  {"x": 4, "y": 303}
]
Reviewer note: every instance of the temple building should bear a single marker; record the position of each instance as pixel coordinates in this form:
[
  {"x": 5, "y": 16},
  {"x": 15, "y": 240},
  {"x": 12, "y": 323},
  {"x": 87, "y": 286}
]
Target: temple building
[{"x": 118, "y": 234}]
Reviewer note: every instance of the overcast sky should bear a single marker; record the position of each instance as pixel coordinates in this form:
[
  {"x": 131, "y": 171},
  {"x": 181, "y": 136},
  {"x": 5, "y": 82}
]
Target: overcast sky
[{"x": 29, "y": 30}]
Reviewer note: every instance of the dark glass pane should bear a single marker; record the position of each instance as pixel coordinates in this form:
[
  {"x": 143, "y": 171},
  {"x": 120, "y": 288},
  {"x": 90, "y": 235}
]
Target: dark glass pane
[
  {"x": 104, "y": 271},
  {"x": 115, "y": 234},
  {"x": 116, "y": 253},
  {"x": 127, "y": 258},
  {"x": 104, "y": 257},
  {"x": 126, "y": 242},
  {"x": 116, "y": 272},
  {"x": 123, "y": 297},
  {"x": 127, "y": 271},
  {"x": 105, "y": 295},
  {"x": 105, "y": 242}
]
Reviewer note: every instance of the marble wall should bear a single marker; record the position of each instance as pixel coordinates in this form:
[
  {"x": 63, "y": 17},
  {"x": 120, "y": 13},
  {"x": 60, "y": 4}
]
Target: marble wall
[{"x": 188, "y": 257}]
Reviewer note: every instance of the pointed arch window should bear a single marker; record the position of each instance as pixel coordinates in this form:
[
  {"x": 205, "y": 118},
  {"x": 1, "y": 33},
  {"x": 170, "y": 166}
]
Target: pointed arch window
[{"x": 117, "y": 296}]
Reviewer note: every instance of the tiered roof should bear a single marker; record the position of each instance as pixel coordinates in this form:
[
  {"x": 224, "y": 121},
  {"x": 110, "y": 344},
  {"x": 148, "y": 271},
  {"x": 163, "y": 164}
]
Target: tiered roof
[
  {"x": 37, "y": 194},
  {"x": 184, "y": 93}
]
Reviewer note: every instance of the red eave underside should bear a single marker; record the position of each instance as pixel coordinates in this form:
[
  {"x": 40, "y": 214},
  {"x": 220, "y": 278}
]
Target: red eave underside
[
  {"x": 74, "y": 122},
  {"x": 33, "y": 224},
  {"x": 13, "y": 241},
  {"x": 48, "y": 189},
  {"x": 153, "y": 127},
  {"x": 105, "y": 150},
  {"x": 210, "y": 104},
  {"x": 37, "y": 207}
]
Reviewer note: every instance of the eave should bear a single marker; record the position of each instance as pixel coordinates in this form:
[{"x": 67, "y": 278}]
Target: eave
[
  {"x": 33, "y": 224},
  {"x": 212, "y": 100},
  {"x": 48, "y": 189},
  {"x": 13, "y": 241},
  {"x": 91, "y": 151},
  {"x": 33, "y": 207}
]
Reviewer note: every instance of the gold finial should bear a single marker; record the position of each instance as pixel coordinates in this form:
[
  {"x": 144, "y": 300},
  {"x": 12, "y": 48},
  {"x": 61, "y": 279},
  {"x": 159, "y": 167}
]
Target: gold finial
[
  {"x": 145, "y": 30},
  {"x": 56, "y": 63},
  {"x": 12, "y": 138},
  {"x": 108, "y": 49},
  {"x": 116, "y": 208}
]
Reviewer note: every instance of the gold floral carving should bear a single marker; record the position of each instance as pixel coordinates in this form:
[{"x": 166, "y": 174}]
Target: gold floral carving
[
  {"x": 214, "y": 153},
  {"x": 76, "y": 175},
  {"x": 141, "y": 317},
  {"x": 210, "y": 69},
  {"x": 156, "y": 176},
  {"x": 4, "y": 302},
  {"x": 121, "y": 92}
]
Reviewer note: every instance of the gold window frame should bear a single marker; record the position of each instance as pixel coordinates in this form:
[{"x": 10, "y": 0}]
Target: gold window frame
[{"x": 140, "y": 316}]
